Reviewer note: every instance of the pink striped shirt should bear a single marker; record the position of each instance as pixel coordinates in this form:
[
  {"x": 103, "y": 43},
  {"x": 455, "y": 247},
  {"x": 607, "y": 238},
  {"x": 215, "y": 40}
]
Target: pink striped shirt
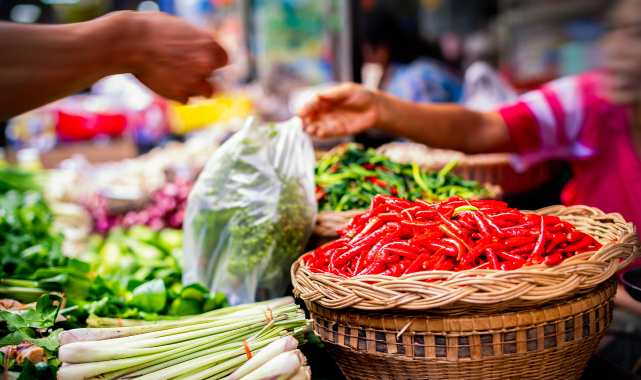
[{"x": 569, "y": 119}]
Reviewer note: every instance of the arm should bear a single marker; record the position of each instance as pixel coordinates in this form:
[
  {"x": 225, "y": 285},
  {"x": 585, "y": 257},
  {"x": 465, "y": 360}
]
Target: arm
[
  {"x": 350, "y": 108},
  {"x": 43, "y": 63}
]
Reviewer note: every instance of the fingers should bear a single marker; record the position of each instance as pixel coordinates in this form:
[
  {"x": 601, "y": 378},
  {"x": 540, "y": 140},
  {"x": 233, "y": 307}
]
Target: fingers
[
  {"x": 219, "y": 56},
  {"x": 338, "y": 93},
  {"x": 310, "y": 108},
  {"x": 202, "y": 88}
]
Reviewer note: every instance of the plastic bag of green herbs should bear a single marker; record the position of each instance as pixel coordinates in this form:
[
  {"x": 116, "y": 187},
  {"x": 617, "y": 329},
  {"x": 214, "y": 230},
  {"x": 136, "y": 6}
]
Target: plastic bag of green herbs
[{"x": 251, "y": 212}]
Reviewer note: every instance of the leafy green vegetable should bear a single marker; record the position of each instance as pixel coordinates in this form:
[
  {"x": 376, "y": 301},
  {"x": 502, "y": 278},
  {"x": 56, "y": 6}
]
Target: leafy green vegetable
[
  {"x": 352, "y": 176},
  {"x": 150, "y": 297},
  {"x": 26, "y": 239},
  {"x": 22, "y": 325},
  {"x": 40, "y": 371}
]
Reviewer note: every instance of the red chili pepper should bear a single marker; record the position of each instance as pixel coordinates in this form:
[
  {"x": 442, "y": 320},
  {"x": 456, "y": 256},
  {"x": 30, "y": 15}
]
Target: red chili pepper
[
  {"x": 556, "y": 240},
  {"x": 333, "y": 168},
  {"x": 340, "y": 272},
  {"x": 509, "y": 256},
  {"x": 374, "y": 212},
  {"x": 519, "y": 241},
  {"x": 577, "y": 245},
  {"x": 458, "y": 240},
  {"x": 439, "y": 245},
  {"x": 453, "y": 225},
  {"x": 424, "y": 205},
  {"x": 425, "y": 214},
  {"x": 465, "y": 222},
  {"x": 379, "y": 182},
  {"x": 504, "y": 223},
  {"x": 446, "y": 212},
  {"x": 514, "y": 233},
  {"x": 460, "y": 248},
  {"x": 416, "y": 265},
  {"x": 498, "y": 230},
  {"x": 406, "y": 245},
  {"x": 390, "y": 217},
  {"x": 418, "y": 224},
  {"x": 551, "y": 219},
  {"x": 334, "y": 244},
  {"x": 360, "y": 263},
  {"x": 480, "y": 223},
  {"x": 575, "y": 236},
  {"x": 507, "y": 217},
  {"x": 488, "y": 203},
  {"x": 506, "y": 265},
  {"x": 491, "y": 257},
  {"x": 320, "y": 195},
  {"x": 523, "y": 249},
  {"x": 553, "y": 259},
  {"x": 539, "y": 247},
  {"x": 426, "y": 237},
  {"x": 391, "y": 258},
  {"x": 454, "y": 199},
  {"x": 491, "y": 210},
  {"x": 347, "y": 256},
  {"x": 448, "y": 265},
  {"x": 371, "y": 226},
  {"x": 377, "y": 247},
  {"x": 474, "y": 254},
  {"x": 567, "y": 227},
  {"x": 555, "y": 228},
  {"x": 402, "y": 203},
  {"x": 389, "y": 271},
  {"x": 374, "y": 268},
  {"x": 401, "y": 252}
]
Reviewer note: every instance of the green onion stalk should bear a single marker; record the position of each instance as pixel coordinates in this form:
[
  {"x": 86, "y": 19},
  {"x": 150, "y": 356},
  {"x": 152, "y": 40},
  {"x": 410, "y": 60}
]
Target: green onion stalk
[
  {"x": 95, "y": 321},
  {"x": 193, "y": 349}
]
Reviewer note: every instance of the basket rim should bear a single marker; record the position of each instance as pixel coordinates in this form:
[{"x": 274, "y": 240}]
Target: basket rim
[{"x": 483, "y": 287}]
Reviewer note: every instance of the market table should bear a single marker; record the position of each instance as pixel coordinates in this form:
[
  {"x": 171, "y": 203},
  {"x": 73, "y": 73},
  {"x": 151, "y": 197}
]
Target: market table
[{"x": 599, "y": 369}]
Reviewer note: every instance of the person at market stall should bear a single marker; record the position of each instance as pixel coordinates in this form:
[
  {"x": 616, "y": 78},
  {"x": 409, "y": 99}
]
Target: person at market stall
[
  {"x": 593, "y": 120},
  {"x": 412, "y": 68},
  {"x": 42, "y": 63}
]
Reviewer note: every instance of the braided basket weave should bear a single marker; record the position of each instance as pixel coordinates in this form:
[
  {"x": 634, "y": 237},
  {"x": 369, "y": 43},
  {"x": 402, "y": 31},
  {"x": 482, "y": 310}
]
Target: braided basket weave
[{"x": 552, "y": 342}]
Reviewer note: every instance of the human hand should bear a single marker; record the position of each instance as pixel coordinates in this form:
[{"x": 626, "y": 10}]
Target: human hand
[
  {"x": 346, "y": 109},
  {"x": 172, "y": 57}
]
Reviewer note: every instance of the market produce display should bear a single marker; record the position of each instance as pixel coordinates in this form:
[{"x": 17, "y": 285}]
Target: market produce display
[
  {"x": 165, "y": 208},
  {"x": 397, "y": 237},
  {"x": 349, "y": 178},
  {"x": 257, "y": 343}
]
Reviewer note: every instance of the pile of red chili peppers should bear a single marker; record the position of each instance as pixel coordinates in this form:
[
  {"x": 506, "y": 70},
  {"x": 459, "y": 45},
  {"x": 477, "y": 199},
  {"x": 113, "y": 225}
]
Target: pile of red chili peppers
[{"x": 396, "y": 237}]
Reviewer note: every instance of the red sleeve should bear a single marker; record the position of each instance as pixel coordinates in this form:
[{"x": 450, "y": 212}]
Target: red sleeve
[{"x": 522, "y": 125}]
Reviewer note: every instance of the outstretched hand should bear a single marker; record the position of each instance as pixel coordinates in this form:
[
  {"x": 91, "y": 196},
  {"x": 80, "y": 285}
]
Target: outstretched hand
[
  {"x": 346, "y": 109},
  {"x": 176, "y": 58}
]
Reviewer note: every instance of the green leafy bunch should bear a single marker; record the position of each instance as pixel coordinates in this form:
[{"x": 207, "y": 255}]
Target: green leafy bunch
[
  {"x": 36, "y": 326},
  {"x": 350, "y": 177},
  {"x": 26, "y": 238}
]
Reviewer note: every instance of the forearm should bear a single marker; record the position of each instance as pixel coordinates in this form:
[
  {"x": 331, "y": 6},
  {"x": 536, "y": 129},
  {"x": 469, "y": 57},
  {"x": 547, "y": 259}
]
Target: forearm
[
  {"x": 446, "y": 126},
  {"x": 43, "y": 63}
]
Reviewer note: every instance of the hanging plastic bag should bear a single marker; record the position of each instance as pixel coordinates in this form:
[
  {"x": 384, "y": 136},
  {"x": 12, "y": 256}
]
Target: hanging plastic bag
[{"x": 251, "y": 212}]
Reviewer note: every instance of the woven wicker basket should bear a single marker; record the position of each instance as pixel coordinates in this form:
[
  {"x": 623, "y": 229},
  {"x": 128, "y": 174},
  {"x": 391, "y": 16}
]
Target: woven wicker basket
[
  {"x": 551, "y": 342},
  {"x": 484, "y": 290},
  {"x": 538, "y": 322},
  {"x": 484, "y": 168}
]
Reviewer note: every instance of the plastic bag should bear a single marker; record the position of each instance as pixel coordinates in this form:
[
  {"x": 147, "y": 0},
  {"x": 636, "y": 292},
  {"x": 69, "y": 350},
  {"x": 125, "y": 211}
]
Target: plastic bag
[{"x": 251, "y": 212}]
